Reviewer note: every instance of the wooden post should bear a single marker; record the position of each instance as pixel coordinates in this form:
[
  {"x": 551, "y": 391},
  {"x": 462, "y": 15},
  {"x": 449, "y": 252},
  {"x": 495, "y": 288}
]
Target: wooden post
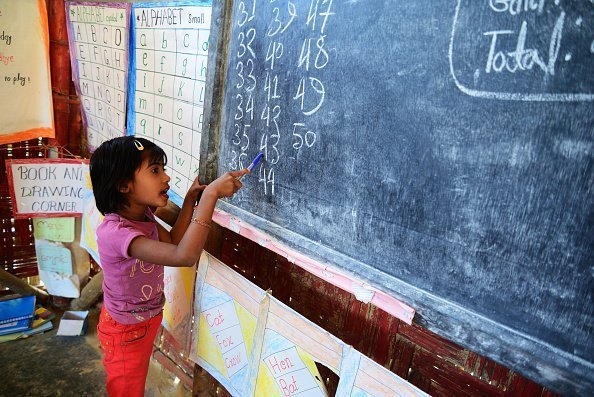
[
  {"x": 18, "y": 286},
  {"x": 89, "y": 294}
]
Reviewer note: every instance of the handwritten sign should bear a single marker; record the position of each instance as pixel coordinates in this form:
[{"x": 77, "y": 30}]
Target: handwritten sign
[
  {"x": 55, "y": 229},
  {"x": 223, "y": 333},
  {"x": 166, "y": 106},
  {"x": 286, "y": 348},
  {"x": 178, "y": 287},
  {"x": 60, "y": 284},
  {"x": 53, "y": 258},
  {"x": 282, "y": 346},
  {"x": 48, "y": 187},
  {"x": 224, "y": 325},
  {"x": 291, "y": 374},
  {"x": 98, "y": 40},
  {"x": 26, "y": 99},
  {"x": 548, "y": 43}
]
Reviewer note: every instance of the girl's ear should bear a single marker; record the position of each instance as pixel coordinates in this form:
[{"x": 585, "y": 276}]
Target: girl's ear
[{"x": 124, "y": 187}]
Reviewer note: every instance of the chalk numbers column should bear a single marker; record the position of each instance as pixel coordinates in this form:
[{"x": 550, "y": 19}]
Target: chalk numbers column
[
  {"x": 245, "y": 84},
  {"x": 277, "y": 112},
  {"x": 313, "y": 57},
  {"x": 271, "y": 113}
]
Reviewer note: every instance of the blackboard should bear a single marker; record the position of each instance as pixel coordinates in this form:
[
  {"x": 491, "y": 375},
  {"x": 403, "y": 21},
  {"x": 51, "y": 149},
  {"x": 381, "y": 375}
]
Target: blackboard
[{"x": 442, "y": 151}]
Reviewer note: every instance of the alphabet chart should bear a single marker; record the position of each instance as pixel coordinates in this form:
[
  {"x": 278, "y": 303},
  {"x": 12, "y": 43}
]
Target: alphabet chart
[
  {"x": 169, "y": 48},
  {"x": 98, "y": 40}
]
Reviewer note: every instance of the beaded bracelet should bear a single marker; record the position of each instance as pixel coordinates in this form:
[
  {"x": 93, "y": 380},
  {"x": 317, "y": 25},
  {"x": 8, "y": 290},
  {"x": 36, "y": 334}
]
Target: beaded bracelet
[{"x": 200, "y": 222}]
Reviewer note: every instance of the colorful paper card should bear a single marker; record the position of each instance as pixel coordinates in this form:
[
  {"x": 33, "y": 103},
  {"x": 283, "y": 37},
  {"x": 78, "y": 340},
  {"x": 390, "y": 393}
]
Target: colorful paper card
[
  {"x": 178, "y": 287},
  {"x": 362, "y": 377},
  {"x": 46, "y": 187},
  {"x": 168, "y": 61},
  {"x": 98, "y": 40},
  {"x": 53, "y": 257},
  {"x": 60, "y": 284},
  {"x": 26, "y": 99},
  {"x": 225, "y": 312},
  {"x": 91, "y": 218},
  {"x": 286, "y": 348},
  {"x": 54, "y": 229}
]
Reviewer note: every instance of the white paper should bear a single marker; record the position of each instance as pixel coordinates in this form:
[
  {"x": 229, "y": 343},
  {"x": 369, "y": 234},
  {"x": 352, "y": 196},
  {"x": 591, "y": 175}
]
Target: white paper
[
  {"x": 72, "y": 323},
  {"x": 60, "y": 284}
]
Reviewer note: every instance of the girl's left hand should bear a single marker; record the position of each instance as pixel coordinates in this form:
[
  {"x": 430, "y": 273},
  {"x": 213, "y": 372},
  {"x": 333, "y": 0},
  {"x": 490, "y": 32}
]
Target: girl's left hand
[{"x": 195, "y": 189}]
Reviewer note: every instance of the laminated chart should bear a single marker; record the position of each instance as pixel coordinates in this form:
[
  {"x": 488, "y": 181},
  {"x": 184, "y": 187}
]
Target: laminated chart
[
  {"x": 362, "y": 377},
  {"x": 98, "y": 40},
  {"x": 286, "y": 348},
  {"x": 91, "y": 218},
  {"x": 177, "y": 313},
  {"x": 169, "y": 48},
  {"x": 225, "y": 310},
  {"x": 291, "y": 375}
]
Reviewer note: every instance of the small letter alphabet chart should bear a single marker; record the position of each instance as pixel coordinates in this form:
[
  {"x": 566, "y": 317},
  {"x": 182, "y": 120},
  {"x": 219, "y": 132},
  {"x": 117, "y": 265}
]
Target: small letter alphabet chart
[{"x": 169, "y": 52}]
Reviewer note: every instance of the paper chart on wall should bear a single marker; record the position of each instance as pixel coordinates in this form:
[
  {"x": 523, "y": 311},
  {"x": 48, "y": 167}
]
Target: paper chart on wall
[
  {"x": 168, "y": 60},
  {"x": 98, "y": 40},
  {"x": 177, "y": 313},
  {"x": 26, "y": 99},
  {"x": 91, "y": 218},
  {"x": 362, "y": 377},
  {"x": 53, "y": 257},
  {"x": 54, "y": 229},
  {"x": 225, "y": 311},
  {"x": 286, "y": 349},
  {"x": 56, "y": 270}
]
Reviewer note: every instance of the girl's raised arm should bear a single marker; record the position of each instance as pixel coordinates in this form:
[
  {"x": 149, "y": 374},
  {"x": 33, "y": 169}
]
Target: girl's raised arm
[{"x": 187, "y": 251}]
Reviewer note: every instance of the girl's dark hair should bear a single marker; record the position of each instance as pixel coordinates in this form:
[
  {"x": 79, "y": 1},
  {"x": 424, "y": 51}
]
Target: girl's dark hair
[{"x": 113, "y": 164}]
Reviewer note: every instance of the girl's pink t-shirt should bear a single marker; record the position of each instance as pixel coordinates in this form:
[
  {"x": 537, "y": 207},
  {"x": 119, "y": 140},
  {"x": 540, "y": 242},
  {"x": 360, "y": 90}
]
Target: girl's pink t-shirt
[{"x": 132, "y": 289}]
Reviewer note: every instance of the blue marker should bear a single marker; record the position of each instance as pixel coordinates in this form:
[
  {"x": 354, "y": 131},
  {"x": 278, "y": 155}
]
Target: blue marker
[{"x": 254, "y": 163}]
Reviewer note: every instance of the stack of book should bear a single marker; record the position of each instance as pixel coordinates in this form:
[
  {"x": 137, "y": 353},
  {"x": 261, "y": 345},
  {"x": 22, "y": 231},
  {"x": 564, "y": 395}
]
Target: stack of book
[{"x": 19, "y": 318}]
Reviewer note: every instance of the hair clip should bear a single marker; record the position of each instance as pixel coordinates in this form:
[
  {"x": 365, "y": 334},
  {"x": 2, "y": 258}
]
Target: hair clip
[{"x": 138, "y": 145}]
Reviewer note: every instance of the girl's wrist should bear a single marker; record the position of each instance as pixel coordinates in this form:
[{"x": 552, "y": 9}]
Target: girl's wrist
[
  {"x": 210, "y": 193},
  {"x": 197, "y": 220},
  {"x": 191, "y": 197}
]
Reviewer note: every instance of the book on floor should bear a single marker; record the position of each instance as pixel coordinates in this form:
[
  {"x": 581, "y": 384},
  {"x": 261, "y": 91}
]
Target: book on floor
[
  {"x": 42, "y": 316},
  {"x": 16, "y": 314}
]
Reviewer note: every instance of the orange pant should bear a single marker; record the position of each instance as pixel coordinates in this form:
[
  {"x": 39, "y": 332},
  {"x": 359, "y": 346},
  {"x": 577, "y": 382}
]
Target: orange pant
[{"x": 127, "y": 350}]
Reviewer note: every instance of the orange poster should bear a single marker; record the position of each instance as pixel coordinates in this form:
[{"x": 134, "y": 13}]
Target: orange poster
[{"x": 25, "y": 85}]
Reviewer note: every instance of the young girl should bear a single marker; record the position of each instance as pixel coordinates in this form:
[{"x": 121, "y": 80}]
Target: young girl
[{"x": 129, "y": 181}]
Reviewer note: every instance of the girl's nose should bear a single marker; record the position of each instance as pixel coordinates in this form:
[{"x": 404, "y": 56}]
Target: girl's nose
[{"x": 167, "y": 177}]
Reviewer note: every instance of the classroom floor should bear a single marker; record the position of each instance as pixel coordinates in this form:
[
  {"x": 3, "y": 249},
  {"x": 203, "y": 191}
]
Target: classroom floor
[{"x": 49, "y": 365}]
